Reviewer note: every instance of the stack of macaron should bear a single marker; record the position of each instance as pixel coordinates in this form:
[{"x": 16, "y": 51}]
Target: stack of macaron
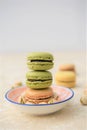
[
  {"x": 39, "y": 63},
  {"x": 66, "y": 76},
  {"x": 39, "y": 79}
]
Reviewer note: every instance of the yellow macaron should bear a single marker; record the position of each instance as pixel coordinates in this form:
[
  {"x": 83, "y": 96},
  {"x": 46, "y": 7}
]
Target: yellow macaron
[{"x": 65, "y": 78}]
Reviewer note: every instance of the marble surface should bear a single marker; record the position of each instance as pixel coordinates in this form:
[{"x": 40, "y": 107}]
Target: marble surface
[{"x": 13, "y": 68}]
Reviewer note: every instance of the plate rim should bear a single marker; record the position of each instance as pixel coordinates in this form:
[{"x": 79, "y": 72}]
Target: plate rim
[{"x": 56, "y": 103}]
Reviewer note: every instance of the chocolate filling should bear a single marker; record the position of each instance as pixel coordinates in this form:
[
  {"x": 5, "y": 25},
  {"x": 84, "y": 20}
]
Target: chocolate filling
[
  {"x": 41, "y": 60},
  {"x": 33, "y": 80}
]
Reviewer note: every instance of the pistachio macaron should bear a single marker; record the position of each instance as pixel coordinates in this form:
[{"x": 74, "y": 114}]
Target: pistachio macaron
[
  {"x": 38, "y": 79},
  {"x": 65, "y": 78},
  {"x": 40, "y": 61}
]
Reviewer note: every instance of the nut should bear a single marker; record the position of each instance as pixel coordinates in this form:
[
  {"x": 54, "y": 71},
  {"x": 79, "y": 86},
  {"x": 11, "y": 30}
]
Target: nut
[
  {"x": 17, "y": 84},
  {"x": 83, "y": 100}
]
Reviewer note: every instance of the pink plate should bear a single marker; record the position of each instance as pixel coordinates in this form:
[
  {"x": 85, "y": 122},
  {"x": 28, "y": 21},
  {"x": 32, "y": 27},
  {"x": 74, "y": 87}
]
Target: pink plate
[{"x": 64, "y": 94}]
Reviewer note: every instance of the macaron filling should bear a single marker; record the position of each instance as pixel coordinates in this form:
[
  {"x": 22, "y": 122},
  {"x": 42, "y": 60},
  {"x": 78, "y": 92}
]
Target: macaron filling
[
  {"x": 40, "y": 60},
  {"x": 67, "y": 81},
  {"x": 42, "y": 80}
]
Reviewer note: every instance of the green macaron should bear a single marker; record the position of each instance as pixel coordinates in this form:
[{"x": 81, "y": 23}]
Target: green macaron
[
  {"x": 38, "y": 79},
  {"x": 40, "y": 61}
]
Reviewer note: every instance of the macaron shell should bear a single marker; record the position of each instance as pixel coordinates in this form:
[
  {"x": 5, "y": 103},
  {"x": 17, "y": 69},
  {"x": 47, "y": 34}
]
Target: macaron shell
[
  {"x": 39, "y": 84},
  {"x": 66, "y": 84},
  {"x": 39, "y": 75},
  {"x": 40, "y": 65},
  {"x": 65, "y": 76},
  {"x": 67, "y": 67},
  {"x": 40, "y": 56}
]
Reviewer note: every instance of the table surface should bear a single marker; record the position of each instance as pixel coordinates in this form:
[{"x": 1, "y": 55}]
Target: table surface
[{"x": 13, "y": 68}]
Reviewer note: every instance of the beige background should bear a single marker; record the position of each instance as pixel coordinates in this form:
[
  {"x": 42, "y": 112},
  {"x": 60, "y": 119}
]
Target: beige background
[{"x": 73, "y": 117}]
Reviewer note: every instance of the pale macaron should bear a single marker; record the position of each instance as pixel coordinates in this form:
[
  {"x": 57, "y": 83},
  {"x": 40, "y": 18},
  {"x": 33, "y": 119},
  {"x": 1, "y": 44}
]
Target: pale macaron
[
  {"x": 67, "y": 67},
  {"x": 38, "y": 96}
]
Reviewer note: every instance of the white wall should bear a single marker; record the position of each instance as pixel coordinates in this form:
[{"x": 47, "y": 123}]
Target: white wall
[
  {"x": 46, "y": 25},
  {"x": 86, "y": 25}
]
